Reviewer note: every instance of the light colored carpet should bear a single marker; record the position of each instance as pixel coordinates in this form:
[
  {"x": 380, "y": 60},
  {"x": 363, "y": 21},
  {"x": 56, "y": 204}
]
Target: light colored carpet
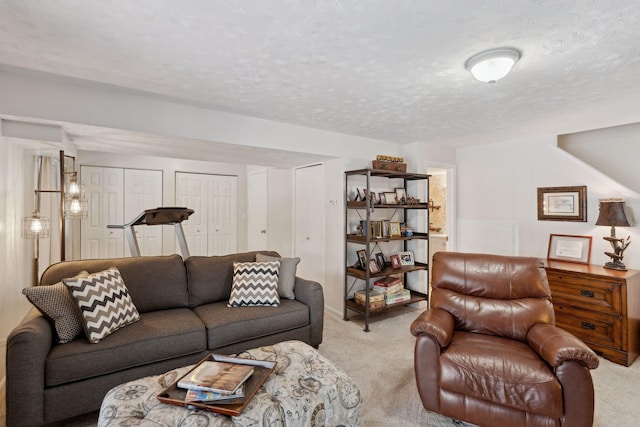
[{"x": 381, "y": 363}]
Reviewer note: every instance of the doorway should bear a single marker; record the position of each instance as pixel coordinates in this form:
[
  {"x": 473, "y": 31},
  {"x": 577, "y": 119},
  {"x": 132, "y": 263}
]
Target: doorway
[{"x": 441, "y": 210}]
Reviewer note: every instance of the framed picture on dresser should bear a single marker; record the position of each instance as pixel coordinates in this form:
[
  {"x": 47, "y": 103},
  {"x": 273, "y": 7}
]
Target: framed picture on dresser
[{"x": 568, "y": 248}]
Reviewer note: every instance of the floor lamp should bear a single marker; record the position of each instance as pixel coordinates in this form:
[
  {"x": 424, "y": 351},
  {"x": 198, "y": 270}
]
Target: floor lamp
[{"x": 73, "y": 205}]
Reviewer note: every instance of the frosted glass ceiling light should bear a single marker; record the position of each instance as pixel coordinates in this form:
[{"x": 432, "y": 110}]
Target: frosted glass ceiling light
[{"x": 492, "y": 65}]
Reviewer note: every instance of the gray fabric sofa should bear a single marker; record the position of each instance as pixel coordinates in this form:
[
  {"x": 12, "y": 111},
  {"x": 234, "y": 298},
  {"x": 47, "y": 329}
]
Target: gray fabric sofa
[{"x": 183, "y": 317}]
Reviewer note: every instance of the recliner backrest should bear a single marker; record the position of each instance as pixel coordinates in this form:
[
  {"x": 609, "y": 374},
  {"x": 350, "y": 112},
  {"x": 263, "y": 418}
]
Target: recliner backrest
[{"x": 492, "y": 294}]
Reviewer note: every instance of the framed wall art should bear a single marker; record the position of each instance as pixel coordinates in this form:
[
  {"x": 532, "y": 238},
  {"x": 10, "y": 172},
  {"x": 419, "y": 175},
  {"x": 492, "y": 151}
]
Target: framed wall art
[
  {"x": 569, "y": 248},
  {"x": 562, "y": 204}
]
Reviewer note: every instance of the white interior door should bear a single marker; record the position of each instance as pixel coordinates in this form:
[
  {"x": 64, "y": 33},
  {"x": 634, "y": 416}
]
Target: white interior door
[
  {"x": 223, "y": 215},
  {"x": 309, "y": 222},
  {"x": 191, "y": 192},
  {"x": 257, "y": 206},
  {"x": 142, "y": 191},
  {"x": 104, "y": 192}
]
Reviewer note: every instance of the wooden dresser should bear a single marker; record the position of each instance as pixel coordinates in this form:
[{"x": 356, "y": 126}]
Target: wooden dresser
[{"x": 598, "y": 305}]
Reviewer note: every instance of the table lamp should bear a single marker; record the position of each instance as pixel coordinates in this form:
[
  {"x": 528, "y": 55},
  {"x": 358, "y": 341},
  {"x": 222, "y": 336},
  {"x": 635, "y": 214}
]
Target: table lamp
[{"x": 612, "y": 214}]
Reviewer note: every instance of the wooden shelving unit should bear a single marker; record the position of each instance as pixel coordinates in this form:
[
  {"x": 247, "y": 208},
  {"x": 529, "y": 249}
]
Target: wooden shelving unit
[{"x": 355, "y": 276}]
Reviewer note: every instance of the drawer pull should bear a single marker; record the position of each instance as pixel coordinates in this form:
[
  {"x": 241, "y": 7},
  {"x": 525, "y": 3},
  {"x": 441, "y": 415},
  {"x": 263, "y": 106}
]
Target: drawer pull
[
  {"x": 590, "y": 326},
  {"x": 586, "y": 293}
]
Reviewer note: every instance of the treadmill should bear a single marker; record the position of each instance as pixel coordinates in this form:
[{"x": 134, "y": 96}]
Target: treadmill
[{"x": 158, "y": 216}]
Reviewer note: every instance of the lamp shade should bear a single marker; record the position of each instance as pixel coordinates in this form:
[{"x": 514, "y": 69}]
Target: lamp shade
[
  {"x": 35, "y": 227},
  {"x": 612, "y": 213}
]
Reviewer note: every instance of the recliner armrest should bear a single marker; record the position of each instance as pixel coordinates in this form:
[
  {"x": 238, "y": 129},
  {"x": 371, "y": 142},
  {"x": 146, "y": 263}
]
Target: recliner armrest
[
  {"x": 555, "y": 345},
  {"x": 435, "y": 322}
]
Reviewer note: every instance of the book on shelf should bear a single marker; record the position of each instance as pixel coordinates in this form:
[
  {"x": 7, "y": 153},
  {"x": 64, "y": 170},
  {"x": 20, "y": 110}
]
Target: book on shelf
[
  {"x": 400, "y": 296},
  {"x": 387, "y": 281},
  {"x": 388, "y": 285},
  {"x": 211, "y": 396},
  {"x": 219, "y": 377}
]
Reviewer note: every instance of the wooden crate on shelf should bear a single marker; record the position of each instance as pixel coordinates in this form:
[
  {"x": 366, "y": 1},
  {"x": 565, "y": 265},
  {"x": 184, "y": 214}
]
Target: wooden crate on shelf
[
  {"x": 389, "y": 166},
  {"x": 376, "y": 299}
]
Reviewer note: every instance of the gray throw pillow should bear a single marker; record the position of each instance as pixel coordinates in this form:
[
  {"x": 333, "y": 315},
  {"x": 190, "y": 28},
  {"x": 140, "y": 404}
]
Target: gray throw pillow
[
  {"x": 104, "y": 302},
  {"x": 287, "y": 276},
  {"x": 56, "y": 304}
]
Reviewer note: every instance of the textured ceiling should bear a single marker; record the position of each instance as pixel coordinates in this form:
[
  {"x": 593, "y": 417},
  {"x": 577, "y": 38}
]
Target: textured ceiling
[{"x": 385, "y": 69}]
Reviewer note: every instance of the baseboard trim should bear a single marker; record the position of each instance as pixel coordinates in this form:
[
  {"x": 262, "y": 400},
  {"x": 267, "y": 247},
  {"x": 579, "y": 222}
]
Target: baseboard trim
[{"x": 334, "y": 311}]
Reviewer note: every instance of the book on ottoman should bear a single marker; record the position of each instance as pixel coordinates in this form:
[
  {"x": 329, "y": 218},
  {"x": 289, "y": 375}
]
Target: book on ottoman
[{"x": 218, "y": 377}]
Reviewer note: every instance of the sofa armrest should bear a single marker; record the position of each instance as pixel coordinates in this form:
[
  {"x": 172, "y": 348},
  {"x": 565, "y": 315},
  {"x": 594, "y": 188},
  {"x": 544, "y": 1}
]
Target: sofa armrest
[
  {"x": 27, "y": 348},
  {"x": 311, "y": 294},
  {"x": 435, "y": 322},
  {"x": 555, "y": 346}
]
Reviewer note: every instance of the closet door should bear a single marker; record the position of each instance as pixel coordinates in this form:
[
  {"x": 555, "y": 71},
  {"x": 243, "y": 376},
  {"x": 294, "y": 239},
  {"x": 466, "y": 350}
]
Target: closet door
[
  {"x": 223, "y": 215},
  {"x": 257, "y": 208},
  {"x": 213, "y": 227},
  {"x": 309, "y": 222},
  {"x": 105, "y": 195},
  {"x": 142, "y": 191},
  {"x": 191, "y": 192}
]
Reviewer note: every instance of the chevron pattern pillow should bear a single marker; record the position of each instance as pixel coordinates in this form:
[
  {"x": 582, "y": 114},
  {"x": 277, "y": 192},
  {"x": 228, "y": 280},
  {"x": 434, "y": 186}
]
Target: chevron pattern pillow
[
  {"x": 104, "y": 303},
  {"x": 255, "y": 284}
]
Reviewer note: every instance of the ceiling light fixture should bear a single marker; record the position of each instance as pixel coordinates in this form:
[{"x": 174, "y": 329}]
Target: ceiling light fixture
[{"x": 492, "y": 65}]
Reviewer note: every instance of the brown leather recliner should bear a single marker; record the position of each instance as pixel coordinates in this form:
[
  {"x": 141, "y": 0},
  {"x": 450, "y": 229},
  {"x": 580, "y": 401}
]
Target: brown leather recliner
[{"x": 488, "y": 351}]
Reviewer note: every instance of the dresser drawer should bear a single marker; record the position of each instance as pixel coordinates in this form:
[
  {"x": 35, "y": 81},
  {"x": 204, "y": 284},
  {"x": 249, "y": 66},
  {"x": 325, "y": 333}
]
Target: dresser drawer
[
  {"x": 586, "y": 292},
  {"x": 601, "y": 330}
]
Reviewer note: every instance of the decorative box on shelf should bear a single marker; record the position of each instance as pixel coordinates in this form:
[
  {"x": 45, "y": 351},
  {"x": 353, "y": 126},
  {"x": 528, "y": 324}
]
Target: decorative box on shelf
[{"x": 376, "y": 299}]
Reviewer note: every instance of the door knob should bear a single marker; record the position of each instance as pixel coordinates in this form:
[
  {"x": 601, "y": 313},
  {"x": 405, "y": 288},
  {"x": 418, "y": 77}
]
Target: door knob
[{"x": 263, "y": 231}]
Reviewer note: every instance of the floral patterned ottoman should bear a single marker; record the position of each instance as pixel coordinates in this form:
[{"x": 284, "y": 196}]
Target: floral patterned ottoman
[{"x": 305, "y": 389}]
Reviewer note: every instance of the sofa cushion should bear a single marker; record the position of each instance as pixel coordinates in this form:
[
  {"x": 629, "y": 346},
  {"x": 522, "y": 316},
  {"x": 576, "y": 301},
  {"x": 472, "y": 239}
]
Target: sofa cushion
[
  {"x": 254, "y": 284},
  {"x": 56, "y": 304},
  {"x": 231, "y": 325},
  {"x": 210, "y": 278},
  {"x": 502, "y": 371},
  {"x": 157, "y": 336},
  {"x": 154, "y": 282},
  {"x": 286, "y": 276},
  {"x": 104, "y": 302}
]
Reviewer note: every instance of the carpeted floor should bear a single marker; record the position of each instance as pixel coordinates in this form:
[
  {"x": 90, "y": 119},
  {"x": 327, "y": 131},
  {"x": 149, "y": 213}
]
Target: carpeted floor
[{"x": 381, "y": 363}]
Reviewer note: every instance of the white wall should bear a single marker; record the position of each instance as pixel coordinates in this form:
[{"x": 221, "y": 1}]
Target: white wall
[
  {"x": 613, "y": 150},
  {"x": 50, "y": 97},
  {"x": 497, "y": 199},
  {"x": 16, "y": 254}
]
